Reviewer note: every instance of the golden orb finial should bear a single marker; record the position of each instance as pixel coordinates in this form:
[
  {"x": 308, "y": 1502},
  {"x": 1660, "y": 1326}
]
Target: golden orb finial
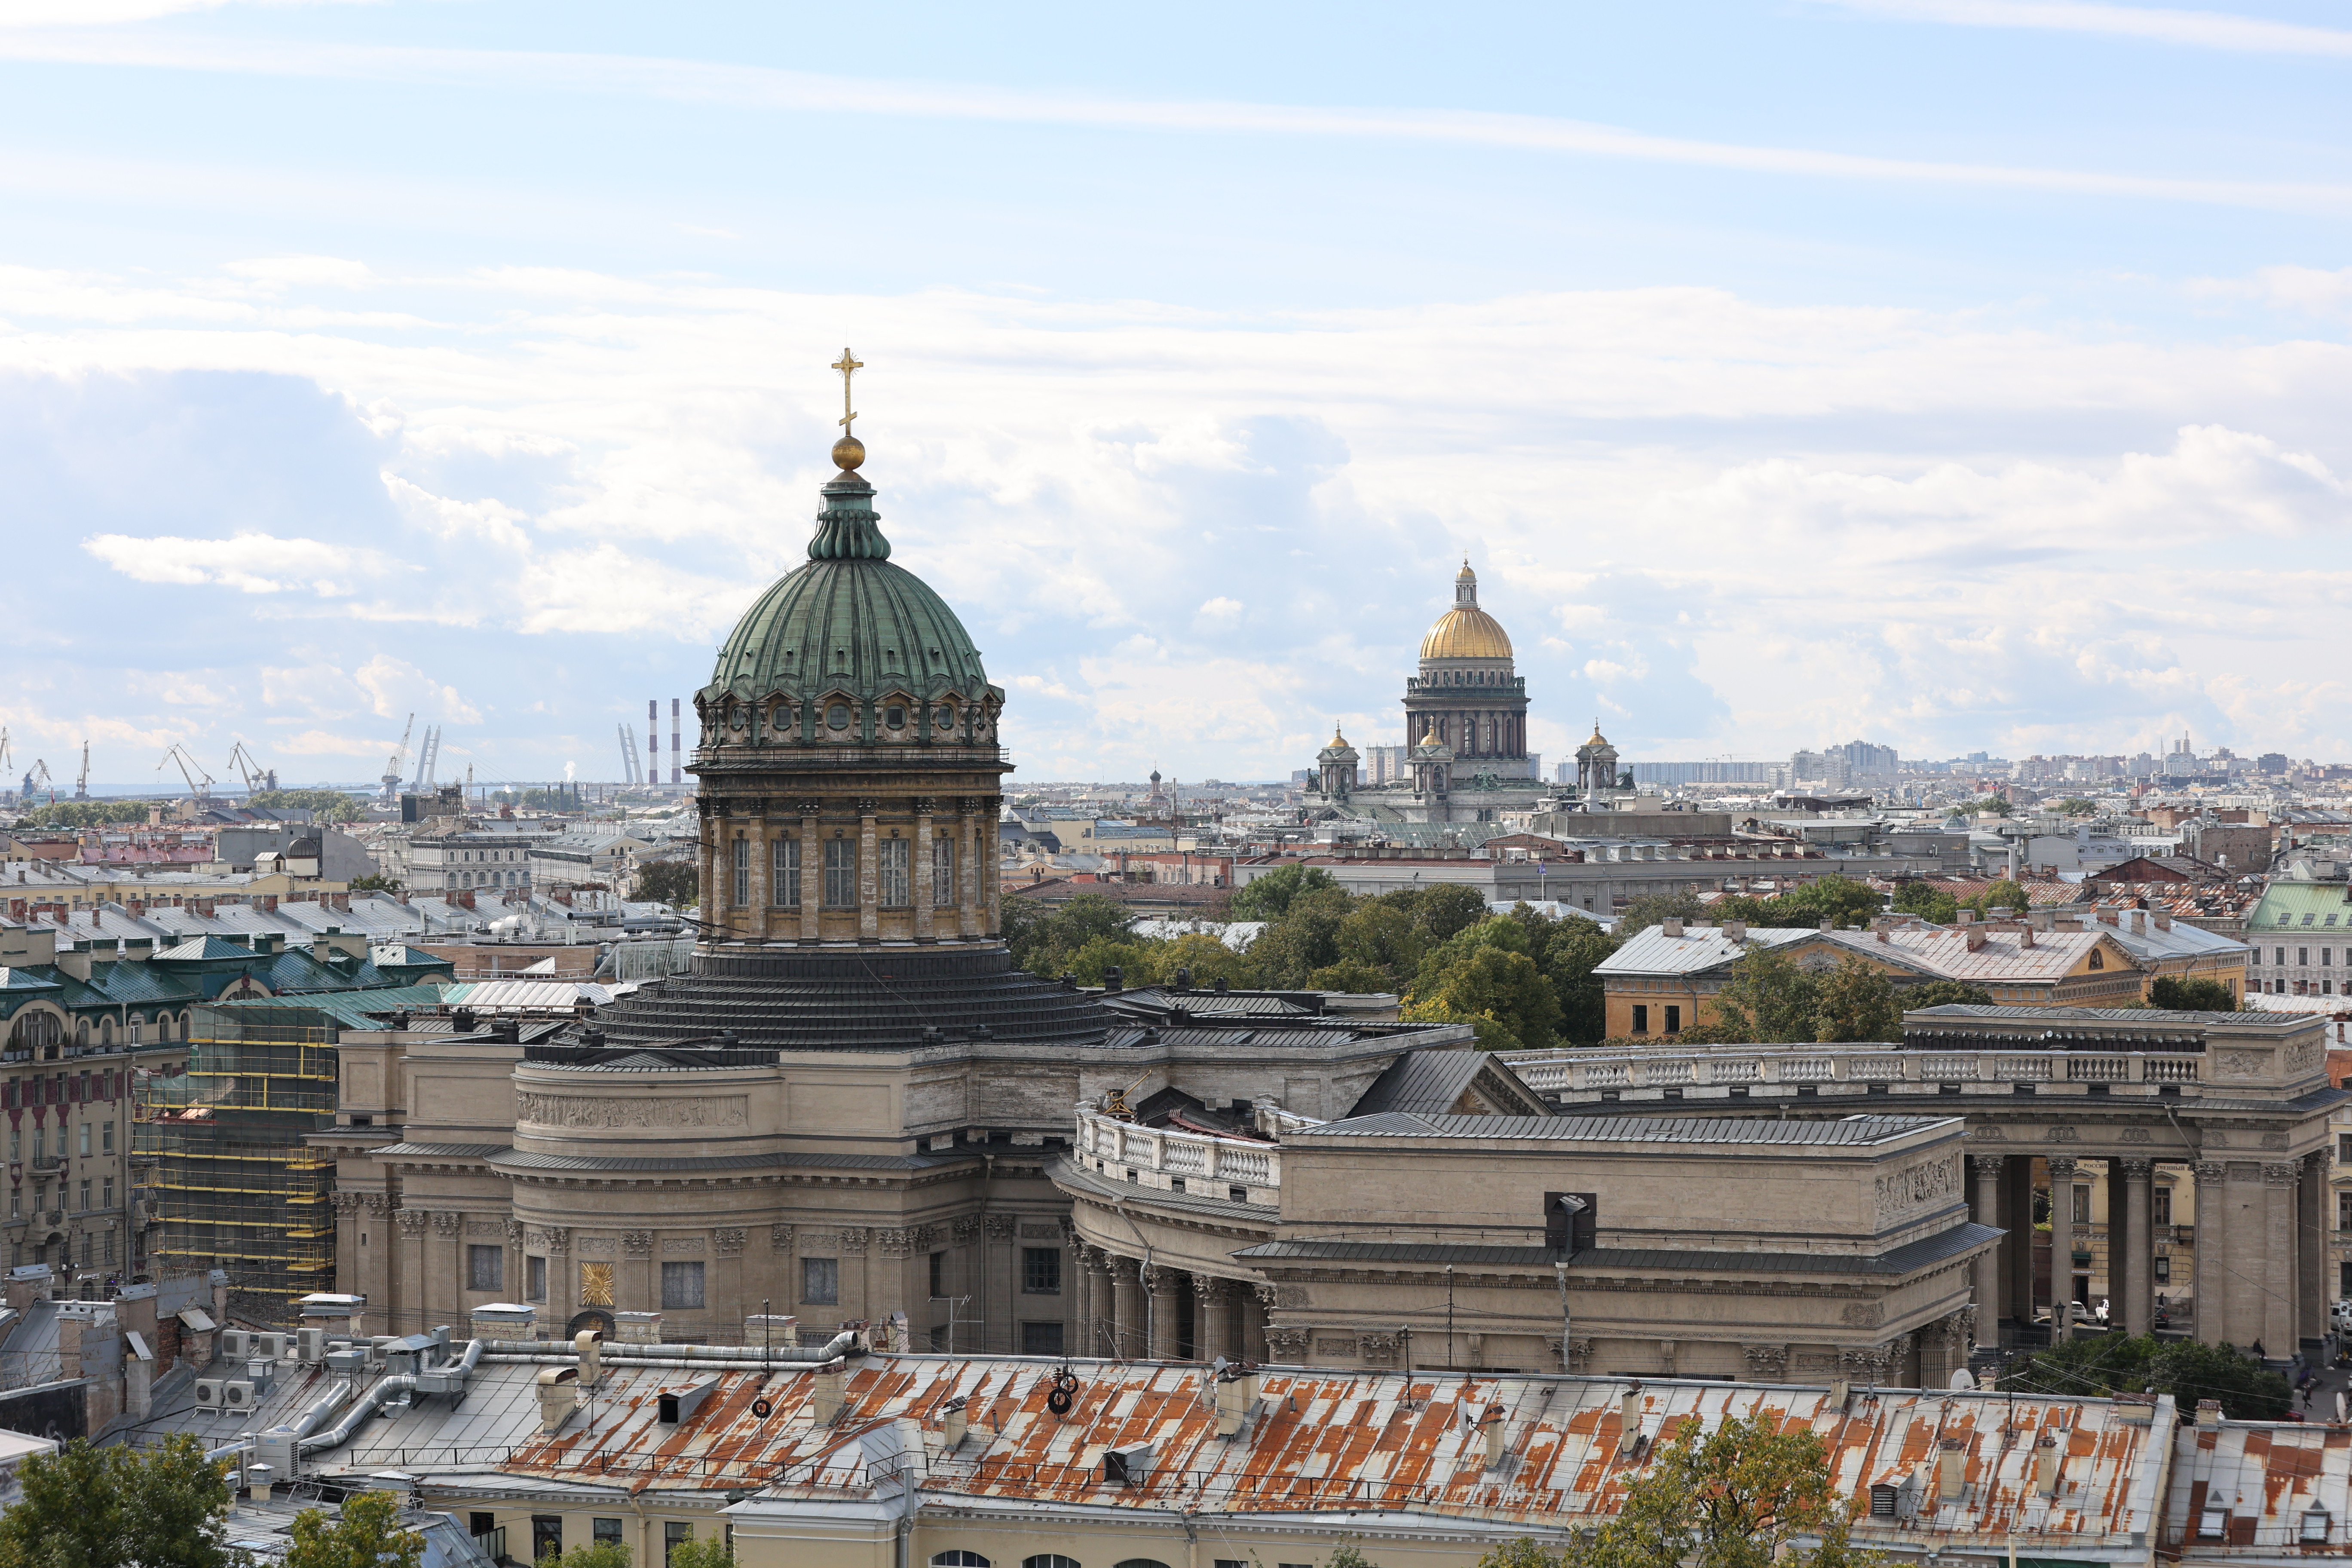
[{"x": 848, "y": 453}]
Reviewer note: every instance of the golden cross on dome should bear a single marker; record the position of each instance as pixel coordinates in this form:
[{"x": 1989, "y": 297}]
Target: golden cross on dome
[{"x": 848, "y": 366}]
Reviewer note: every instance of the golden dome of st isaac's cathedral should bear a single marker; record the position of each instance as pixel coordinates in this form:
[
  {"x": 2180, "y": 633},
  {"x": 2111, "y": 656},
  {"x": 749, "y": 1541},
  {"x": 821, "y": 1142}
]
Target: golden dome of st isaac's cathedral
[{"x": 1466, "y": 631}]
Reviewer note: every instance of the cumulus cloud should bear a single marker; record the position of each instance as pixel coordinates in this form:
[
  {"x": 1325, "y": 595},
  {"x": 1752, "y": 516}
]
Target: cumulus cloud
[{"x": 1194, "y": 541}]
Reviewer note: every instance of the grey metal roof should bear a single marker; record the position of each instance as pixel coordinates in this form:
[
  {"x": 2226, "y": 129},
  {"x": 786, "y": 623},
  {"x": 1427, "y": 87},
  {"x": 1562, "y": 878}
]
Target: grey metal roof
[
  {"x": 526, "y": 1160},
  {"x": 440, "y": 1151},
  {"x": 1905, "y": 1259},
  {"x": 2140, "y": 1015},
  {"x": 1852, "y": 1131},
  {"x": 1431, "y": 1081}
]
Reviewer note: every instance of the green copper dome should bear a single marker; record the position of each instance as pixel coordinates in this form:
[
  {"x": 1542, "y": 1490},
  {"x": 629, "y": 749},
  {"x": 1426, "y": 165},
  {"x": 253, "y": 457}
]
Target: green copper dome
[{"x": 846, "y": 625}]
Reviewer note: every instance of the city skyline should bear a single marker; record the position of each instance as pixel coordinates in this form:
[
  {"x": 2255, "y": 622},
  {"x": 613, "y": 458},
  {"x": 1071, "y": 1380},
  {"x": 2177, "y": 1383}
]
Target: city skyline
[{"x": 1766, "y": 416}]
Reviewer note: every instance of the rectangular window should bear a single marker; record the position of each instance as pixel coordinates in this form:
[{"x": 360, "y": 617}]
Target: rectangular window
[
  {"x": 605, "y": 1532},
  {"x": 787, "y": 893},
  {"x": 546, "y": 1536},
  {"x": 2344, "y": 1211},
  {"x": 534, "y": 1278},
  {"x": 897, "y": 888},
  {"x": 1041, "y": 1339},
  {"x": 2163, "y": 1269},
  {"x": 16, "y": 1144},
  {"x": 2303, "y": 956},
  {"x": 943, "y": 887},
  {"x": 938, "y": 1275},
  {"x": 673, "y": 1532},
  {"x": 109, "y": 1190},
  {"x": 106, "y": 1138},
  {"x": 84, "y": 1139},
  {"x": 742, "y": 872},
  {"x": 110, "y": 1246},
  {"x": 1041, "y": 1270},
  {"x": 16, "y": 1203},
  {"x": 840, "y": 873},
  {"x": 821, "y": 1281},
  {"x": 2081, "y": 1206},
  {"x": 2326, "y": 956},
  {"x": 85, "y": 1194},
  {"x": 2278, "y": 955},
  {"x": 1673, "y": 1020},
  {"x": 1641, "y": 1018},
  {"x": 485, "y": 1268},
  {"x": 682, "y": 1286},
  {"x": 2160, "y": 1203}
]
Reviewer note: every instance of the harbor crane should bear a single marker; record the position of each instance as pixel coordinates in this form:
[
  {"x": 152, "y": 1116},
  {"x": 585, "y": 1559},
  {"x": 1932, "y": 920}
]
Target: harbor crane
[
  {"x": 257, "y": 777},
  {"x": 390, "y": 795},
  {"x": 81, "y": 783},
  {"x": 38, "y": 779},
  {"x": 200, "y": 783}
]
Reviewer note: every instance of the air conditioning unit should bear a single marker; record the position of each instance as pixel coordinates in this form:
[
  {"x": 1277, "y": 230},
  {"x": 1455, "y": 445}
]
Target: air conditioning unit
[
  {"x": 208, "y": 1393},
  {"x": 236, "y": 1393},
  {"x": 311, "y": 1346},
  {"x": 236, "y": 1344},
  {"x": 269, "y": 1347}
]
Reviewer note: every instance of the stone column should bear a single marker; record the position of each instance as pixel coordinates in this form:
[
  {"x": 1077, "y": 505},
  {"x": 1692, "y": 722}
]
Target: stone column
[
  {"x": 563, "y": 1281},
  {"x": 724, "y": 1300},
  {"x": 714, "y": 903},
  {"x": 2017, "y": 1248},
  {"x": 1127, "y": 1307},
  {"x": 1212, "y": 1318},
  {"x": 2282, "y": 1269},
  {"x": 638, "y": 1281},
  {"x": 2211, "y": 1294},
  {"x": 991, "y": 886},
  {"x": 2128, "y": 1245},
  {"x": 812, "y": 870},
  {"x": 967, "y": 868},
  {"x": 1000, "y": 1266},
  {"x": 1082, "y": 1303},
  {"x": 762, "y": 858},
  {"x": 2311, "y": 1251},
  {"x": 919, "y": 867},
  {"x": 869, "y": 874},
  {"x": 409, "y": 1274},
  {"x": 1988, "y": 1168},
  {"x": 1163, "y": 1321},
  {"x": 2061, "y": 1241}
]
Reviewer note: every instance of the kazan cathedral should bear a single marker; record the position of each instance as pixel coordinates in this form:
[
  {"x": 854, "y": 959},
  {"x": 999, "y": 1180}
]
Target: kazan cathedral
[{"x": 1465, "y": 717}]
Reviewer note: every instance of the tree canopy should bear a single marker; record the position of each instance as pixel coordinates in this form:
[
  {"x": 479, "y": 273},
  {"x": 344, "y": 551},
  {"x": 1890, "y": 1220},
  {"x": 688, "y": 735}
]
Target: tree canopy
[
  {"x": 2187, "y": 1370},
  {"x": 119, "y": 1506},
  {"x": 2191, "y": 996},
  {"x": 323, "y": 805},
  {"x": 84, "y": 813},
  {"x": 365, "y": 1534},
  {"x": 671, "y": 882}
]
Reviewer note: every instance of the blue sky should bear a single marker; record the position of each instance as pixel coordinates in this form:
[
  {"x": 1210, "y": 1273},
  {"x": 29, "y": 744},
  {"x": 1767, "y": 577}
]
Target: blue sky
[{"x": 1960, "y": 374}]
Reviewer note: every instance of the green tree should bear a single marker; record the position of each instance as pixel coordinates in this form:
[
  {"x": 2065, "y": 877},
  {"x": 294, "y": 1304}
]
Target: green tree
[
  {"x": 1348, "y": 1556},
  {"x": 1134, "y": 961},
  {"x": 1741, "y": 1496},
  {"x": 1448, "y": 908},
  {"x": 1271, "y": 895},
  {"x": 2004, "y": 894},
  {"x": 1856, "y": 1002},
  {"x": 1847, "y": 903},
  {"x": 1928, "y": 902},
  {"x": 1493, "y": 981},
  {"x": 2074, "y": 805},
  {"x": 1578, "y": 947},
  {"x": 1382, "y": 933},
  {"x": 1349, "y": 975},
  {"x": 671, "y": 882},
  {"x": 1768, "y": 999},
  {"x": 323, "y": 805},
  {"x": 1209, "y": 961},
  {"x": 701, "y": 1551},
  {"x": 119, "y": 1508},
  {"x": 2191, "y": 996},
  {"x": 1989, "y": 805},
  {"x": 1045, "y": 940},
  {"x": 1655, "y": 909},
  {"x": 372, "y": 883},
  {"x": 84, "y": 813},
  {"x": 2186, "y": 1369},
  {"x": 366, "y": 1534},
  {"x": 1488, "y": 1034},
  {"x": 1946, "y": 993},
  {"x": 1519, "y": 1554},
  {"x": 596, "y": 1555},
  {"x": 1304, "y": 938}
]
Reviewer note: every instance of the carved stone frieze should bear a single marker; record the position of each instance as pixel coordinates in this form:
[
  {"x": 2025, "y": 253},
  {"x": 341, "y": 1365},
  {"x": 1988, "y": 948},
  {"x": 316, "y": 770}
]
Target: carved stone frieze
[
  {"x": 1767, "y": 1363},
  {"x": 583, "y": 1111},
  {"x": 1001, "y": 1227},
  {"x": 684, "y": 1246},
  {"x": 638, "y": 1243},
  {"x": 447, "y": 1222},
  {"x": 2135, "y": 1135},
  {"x": 1286, "y": 1344},
  {"x": 1376, "y": 1349},
  {"x": 1923, "y": 1185},
  {"x": 597, "y": 1247},
  {"x": 554, "y": 1238}
]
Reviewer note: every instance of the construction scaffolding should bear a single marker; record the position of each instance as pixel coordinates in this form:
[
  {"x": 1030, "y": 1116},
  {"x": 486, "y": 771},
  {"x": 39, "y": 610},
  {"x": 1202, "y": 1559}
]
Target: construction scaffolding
[{"x": 222, "y": 1146}]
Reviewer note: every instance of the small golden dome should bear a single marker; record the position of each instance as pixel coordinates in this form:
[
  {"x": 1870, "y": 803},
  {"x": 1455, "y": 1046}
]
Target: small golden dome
[
  {"x": 1466, "y": 631},
  {"x": 1465, "y": 574}
]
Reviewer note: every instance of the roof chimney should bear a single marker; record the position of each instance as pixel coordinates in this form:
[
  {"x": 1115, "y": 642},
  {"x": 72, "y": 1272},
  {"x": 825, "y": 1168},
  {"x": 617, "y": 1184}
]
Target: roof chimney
[
  {"x": 1975, "y": 936},
  {"x": 1735, "y": 931},
  {"x": 1951, "y": 1470},
  {"x": 1672, "y": 925}
]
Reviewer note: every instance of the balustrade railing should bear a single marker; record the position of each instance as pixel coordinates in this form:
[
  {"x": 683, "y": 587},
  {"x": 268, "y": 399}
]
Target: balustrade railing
[
  {"x": 1582, "y": 1071},
  {"x": 1218, "y": 1163}
]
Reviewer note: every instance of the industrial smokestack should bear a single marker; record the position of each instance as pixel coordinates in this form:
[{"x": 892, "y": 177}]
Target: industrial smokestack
[
  {"x": 675, "y": 775},
  {"x": 653, "y": 740}
]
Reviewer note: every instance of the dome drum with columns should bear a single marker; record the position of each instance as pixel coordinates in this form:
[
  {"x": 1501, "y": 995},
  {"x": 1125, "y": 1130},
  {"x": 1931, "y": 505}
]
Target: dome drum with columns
[{"x": 1468, "y": 692}]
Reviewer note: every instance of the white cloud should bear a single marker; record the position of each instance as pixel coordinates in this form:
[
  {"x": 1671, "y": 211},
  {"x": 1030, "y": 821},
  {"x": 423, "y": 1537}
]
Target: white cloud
[
  {"x": 787, "y": 92},
  {"x": 395, "y": 686},
  {"x": 2196, "y": 30},
  {"x": 248, "y": 562}
]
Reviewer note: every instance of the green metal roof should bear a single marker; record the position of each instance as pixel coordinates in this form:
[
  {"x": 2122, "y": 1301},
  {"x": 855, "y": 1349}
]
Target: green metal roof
[
  {"x": 344, "y": 1009},
  {"x": 848, "y": 621},
  {"x": 2314, "y": 908}
]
